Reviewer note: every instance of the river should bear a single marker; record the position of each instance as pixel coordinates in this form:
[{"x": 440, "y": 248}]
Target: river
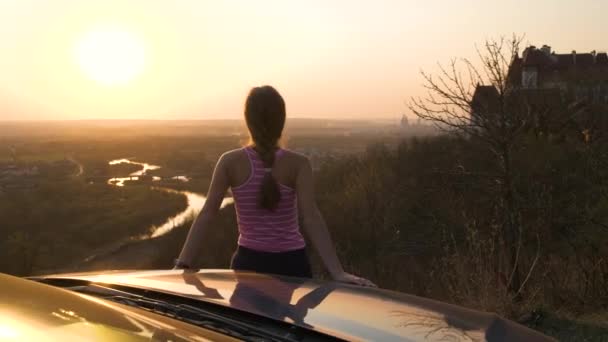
[{"x": 195, "y": 200}]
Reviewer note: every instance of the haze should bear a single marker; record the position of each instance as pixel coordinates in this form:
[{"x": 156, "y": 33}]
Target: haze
[{"x": 330, "y": 59}]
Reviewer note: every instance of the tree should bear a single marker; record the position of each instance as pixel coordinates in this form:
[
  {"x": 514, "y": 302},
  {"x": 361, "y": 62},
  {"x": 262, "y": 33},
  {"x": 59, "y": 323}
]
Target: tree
[{"x": 478, "y": 102}]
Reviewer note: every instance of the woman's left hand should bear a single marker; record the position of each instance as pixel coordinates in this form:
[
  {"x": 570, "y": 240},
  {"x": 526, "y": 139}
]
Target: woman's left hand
[{"x": 353, "y": 279}]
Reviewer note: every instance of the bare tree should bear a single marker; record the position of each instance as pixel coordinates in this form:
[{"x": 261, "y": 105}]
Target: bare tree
[{"x": 476, "y": 101}]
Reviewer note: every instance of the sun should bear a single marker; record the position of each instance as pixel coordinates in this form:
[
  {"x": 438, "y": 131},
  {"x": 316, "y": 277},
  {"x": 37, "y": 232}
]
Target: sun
[{"x": 111, "y": 55}]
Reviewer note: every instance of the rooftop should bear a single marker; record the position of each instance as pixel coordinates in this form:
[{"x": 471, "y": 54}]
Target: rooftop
[{"x": 545, "y": 58}]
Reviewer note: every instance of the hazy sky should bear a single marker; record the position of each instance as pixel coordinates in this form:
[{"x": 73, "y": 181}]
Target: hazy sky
[{"x": 329, "y": 58}]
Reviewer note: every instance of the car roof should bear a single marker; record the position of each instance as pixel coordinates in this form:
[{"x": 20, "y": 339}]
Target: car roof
[
  {"x": 340, "y": 310},
  {"x": 31, "y": 311}
]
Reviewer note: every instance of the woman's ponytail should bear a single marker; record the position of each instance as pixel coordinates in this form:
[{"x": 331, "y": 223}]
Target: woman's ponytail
[
  {"x": 270, "y": 194},
  {"x": 265, "y": 117}
]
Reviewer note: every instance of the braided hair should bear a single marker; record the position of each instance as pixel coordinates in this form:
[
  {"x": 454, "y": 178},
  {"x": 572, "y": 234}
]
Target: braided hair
[{"x": 265, "y": 118}]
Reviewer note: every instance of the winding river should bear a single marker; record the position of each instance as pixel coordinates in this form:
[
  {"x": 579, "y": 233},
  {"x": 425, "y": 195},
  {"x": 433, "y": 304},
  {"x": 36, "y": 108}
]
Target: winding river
[{"x": 195, "y": 200}]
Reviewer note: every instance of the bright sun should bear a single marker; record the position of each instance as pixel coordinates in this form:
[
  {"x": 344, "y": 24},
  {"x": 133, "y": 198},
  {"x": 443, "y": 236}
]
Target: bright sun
[{"x": 111, "y": 55}]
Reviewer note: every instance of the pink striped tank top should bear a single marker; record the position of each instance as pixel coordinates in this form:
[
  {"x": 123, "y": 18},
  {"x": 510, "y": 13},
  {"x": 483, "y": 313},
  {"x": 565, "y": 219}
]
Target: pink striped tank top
[{"x": 262, "y": 229}]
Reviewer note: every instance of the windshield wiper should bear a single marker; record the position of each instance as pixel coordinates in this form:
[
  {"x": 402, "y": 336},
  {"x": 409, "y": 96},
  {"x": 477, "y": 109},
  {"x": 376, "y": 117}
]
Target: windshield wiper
[{"x": 203, "y": 318}]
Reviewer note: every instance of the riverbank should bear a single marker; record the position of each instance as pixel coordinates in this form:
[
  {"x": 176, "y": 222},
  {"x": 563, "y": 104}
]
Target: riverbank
[
  {"x": 143, "y": 175},
  {"x": 115, "y": 253},
  {"x": 55, "y": 224},
  {"x": 159, "y": 252}
]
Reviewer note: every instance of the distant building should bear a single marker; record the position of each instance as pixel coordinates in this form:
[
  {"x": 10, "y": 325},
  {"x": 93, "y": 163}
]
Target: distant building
[
  {"x": 584, "y": 76},
  {"x": 543, "y": 79},
  {"x": 486, "y": 101},
  {"x": 404, "y": 122}
]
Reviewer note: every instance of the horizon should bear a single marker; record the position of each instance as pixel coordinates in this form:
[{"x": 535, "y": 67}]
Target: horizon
[
  {"x": 177, "y": 120},
  {"x": 153, "y": 60}
]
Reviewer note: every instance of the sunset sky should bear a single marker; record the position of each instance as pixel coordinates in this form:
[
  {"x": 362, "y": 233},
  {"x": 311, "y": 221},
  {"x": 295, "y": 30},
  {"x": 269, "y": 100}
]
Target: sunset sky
[{"x": 196, "y": 59}]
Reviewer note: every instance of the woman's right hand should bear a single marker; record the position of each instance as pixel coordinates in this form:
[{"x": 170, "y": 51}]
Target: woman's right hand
[{"x": 348, "y": 278}]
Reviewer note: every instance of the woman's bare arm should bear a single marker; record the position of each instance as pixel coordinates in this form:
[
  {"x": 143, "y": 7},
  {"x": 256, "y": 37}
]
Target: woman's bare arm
[
  {"x": 215, "y": 196},
  {"x": 315, "y": 227}
]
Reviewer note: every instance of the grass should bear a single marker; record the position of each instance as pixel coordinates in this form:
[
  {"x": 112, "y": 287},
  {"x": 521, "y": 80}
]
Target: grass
[
  {"x": 30, "y": 158},
  {"x": 588, "y": 328},
  {"x": 57, "y": 223}
]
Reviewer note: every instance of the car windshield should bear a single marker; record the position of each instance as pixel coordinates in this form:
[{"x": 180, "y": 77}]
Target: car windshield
[{"x": 455, "y": 150}]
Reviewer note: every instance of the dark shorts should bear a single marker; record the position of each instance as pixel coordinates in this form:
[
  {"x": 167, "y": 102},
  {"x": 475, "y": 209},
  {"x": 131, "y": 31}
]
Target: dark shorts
[{"x": 292, "y": 263}]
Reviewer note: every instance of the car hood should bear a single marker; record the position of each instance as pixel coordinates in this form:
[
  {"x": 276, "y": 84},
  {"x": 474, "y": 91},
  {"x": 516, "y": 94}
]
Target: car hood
[
  {"x": 341, "y": 310},
  {"x": 30, "y": 311}
]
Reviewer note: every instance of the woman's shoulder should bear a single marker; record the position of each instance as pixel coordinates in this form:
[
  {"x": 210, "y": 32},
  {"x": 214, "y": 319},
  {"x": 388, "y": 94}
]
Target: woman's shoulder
[
  {"x": 240, "y": 154},
  {"x": 233, "y": 155}
]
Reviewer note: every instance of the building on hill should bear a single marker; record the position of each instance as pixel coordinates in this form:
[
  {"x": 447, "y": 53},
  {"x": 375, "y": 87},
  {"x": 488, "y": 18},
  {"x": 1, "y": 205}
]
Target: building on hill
[
  {"x": 542, "y": 84},
  {"x": 584, "y": 76},
  {"x": 485, "y": 99}
]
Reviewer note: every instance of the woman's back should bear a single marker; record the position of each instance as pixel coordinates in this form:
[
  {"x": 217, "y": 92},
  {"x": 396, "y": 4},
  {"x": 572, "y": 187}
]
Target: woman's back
[
  {"x": 284, "y": 169},
  {"x": 271, "y": 230},
  {"x": 271, "y": 188}
]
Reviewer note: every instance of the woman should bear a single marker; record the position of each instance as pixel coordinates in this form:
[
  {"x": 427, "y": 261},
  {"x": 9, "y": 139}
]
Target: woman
[{"x": 272, "y": 188}]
